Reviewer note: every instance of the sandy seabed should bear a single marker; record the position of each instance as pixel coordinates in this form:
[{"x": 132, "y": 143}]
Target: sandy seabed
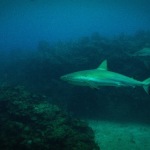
[{"x": 121, "y": 136}]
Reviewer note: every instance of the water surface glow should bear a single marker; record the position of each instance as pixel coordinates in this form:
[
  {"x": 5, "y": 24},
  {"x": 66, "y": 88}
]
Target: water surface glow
[{"x": 25, "y": 23}]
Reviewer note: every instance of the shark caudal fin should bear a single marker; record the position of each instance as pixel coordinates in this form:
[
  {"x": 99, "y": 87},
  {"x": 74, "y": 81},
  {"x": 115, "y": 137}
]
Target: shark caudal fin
[{"x": 146, "y": 85}]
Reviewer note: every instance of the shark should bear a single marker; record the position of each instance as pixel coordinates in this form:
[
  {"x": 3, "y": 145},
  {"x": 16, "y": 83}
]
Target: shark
[
  {"x": 101, "y": 76},
  {"x": 143, "y": 52},
  {"x": 143, "y": 55}
]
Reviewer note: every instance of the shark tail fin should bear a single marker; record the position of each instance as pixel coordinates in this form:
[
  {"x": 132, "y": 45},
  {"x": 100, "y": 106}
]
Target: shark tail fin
[{"x": 146, "y": 85}]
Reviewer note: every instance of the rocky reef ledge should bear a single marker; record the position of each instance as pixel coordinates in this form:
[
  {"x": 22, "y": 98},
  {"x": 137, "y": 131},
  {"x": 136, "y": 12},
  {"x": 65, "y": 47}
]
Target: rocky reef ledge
[{"x": 30, "y": 122}]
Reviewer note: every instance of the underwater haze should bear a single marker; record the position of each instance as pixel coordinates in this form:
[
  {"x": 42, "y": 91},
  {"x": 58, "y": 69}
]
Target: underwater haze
[
  {"x": 43, "y": 44},
  {"x": 25, "y": 23}
]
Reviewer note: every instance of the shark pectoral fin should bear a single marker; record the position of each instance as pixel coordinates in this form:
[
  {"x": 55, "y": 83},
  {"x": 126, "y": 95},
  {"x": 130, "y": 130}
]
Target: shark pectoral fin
[
  {"x": 93, "y": 86},
  {"x": 118, "y": 84},
  {"x": 146, "y": 88}
]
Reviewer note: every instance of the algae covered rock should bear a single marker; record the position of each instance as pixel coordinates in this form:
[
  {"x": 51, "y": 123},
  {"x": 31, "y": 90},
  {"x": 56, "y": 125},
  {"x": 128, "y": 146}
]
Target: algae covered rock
[{"x": 30, "y": 122}]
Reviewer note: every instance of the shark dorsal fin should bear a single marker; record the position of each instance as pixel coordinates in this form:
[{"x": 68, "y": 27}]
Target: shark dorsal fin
[{"x": 103, "y": 65}]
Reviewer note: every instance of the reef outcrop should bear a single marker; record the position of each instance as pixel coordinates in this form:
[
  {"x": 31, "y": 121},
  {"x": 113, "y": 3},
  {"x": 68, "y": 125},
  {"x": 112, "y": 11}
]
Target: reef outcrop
[{"x": 28, "y": 122}]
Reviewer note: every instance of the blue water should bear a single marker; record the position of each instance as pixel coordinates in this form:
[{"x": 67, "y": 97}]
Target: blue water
[{"x": 24, "y": 23}]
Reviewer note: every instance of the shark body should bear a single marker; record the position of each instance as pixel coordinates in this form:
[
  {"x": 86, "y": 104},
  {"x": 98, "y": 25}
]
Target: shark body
[
  {"x": 142, "y": 53},
  {"x": 102, "y": 77}
]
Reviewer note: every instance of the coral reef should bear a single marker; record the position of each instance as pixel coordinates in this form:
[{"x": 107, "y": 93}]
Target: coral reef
[
  {"x": 28, "y": 121},
  {"x": 40, "y": 70}
]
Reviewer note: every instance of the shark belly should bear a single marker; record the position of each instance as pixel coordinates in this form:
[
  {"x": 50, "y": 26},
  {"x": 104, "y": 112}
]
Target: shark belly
[{"x": 119, "y": 81}]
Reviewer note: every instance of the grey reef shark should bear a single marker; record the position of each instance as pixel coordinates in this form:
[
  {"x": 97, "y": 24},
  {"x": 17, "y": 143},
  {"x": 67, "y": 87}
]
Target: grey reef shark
[
  {"x": 143, "y": 52},
  {"x": 100, "y": 76},
  {"x": 143, "y": 55}
]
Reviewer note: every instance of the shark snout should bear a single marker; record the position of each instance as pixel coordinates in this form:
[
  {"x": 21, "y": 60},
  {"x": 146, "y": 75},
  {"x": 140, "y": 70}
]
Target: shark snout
[
  {"x": 68, "y": 77},
  {"x": 64, "y": 78}
]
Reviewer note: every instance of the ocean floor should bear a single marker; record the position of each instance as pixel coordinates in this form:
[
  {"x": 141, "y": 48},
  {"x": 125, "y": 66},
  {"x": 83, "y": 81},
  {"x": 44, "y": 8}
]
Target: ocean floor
[{"x": 121, "y": 136}]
